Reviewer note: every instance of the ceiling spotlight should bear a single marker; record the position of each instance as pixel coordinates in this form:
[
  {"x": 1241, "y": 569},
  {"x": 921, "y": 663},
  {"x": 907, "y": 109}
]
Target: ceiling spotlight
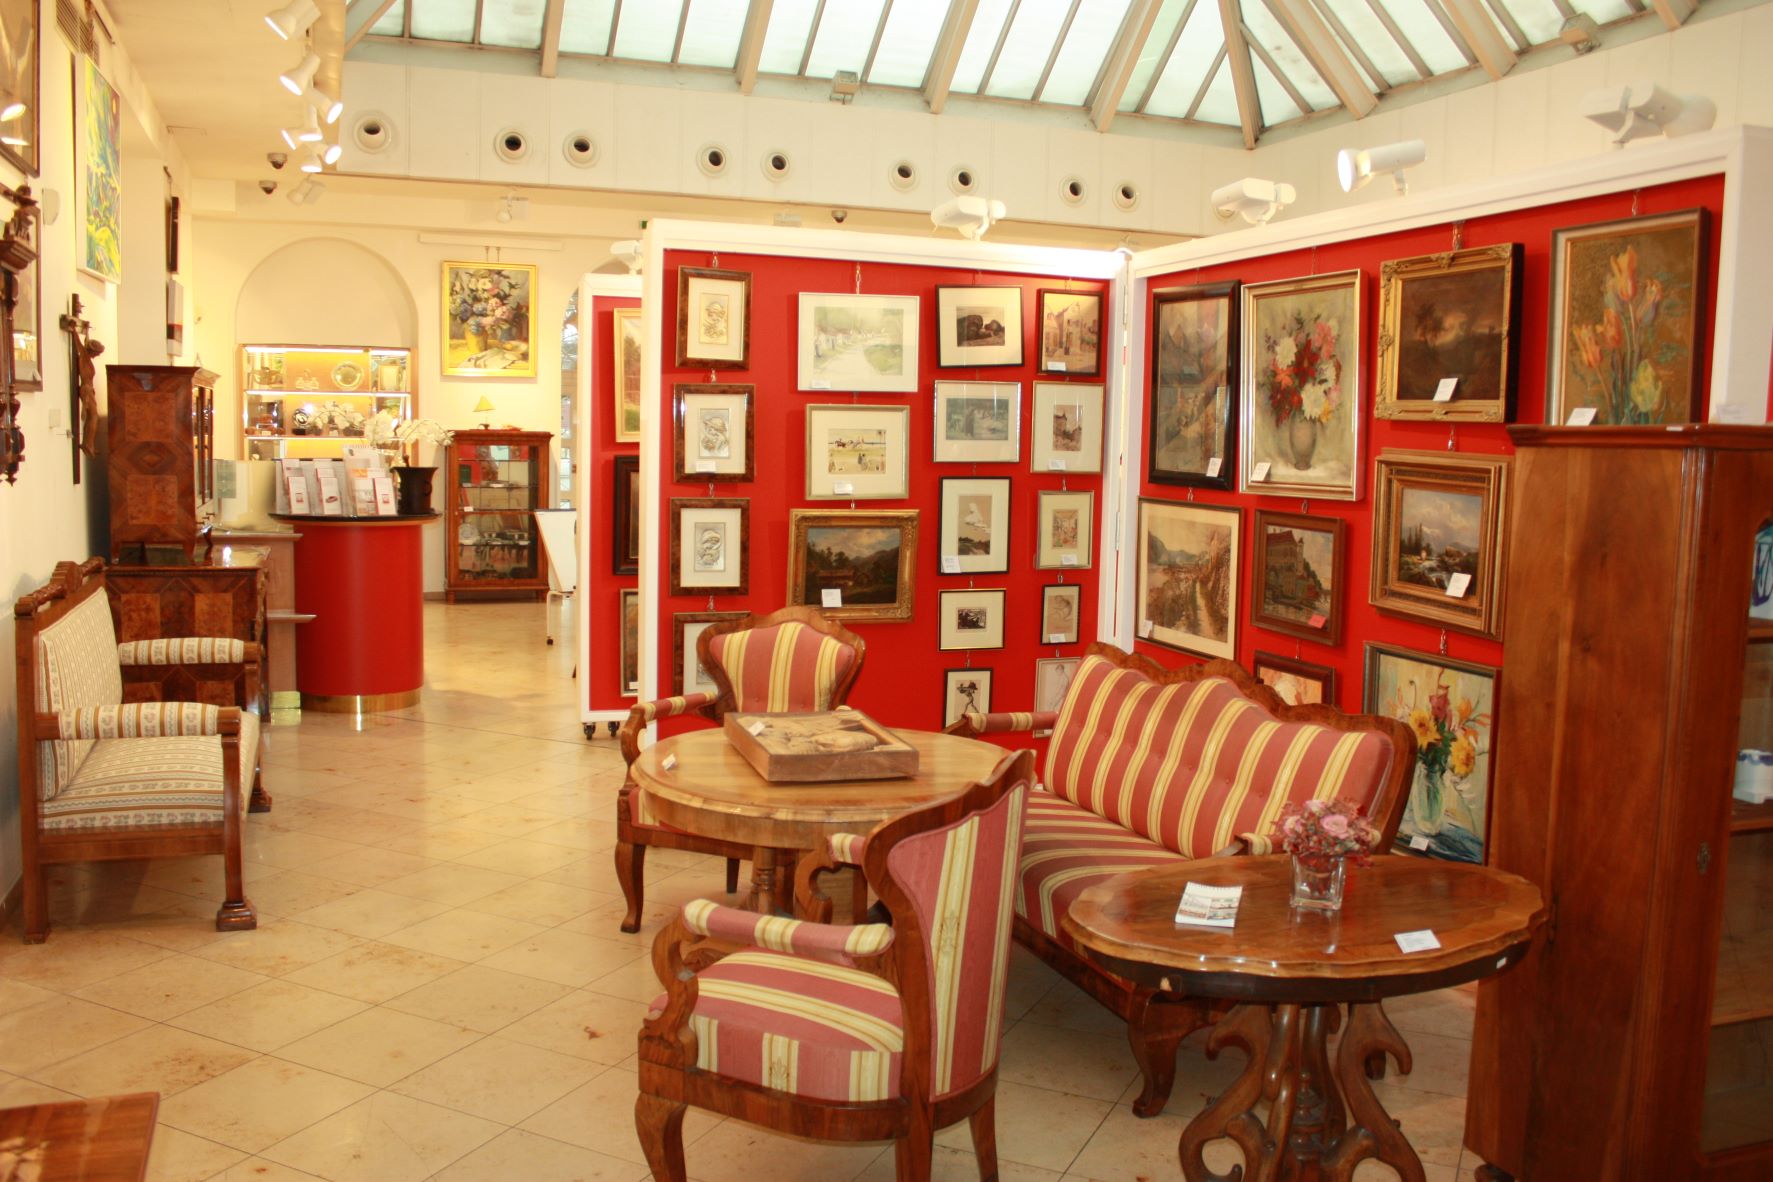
[
  {"x": 309, "y": 132},
  {"x": 331, "y": 154},
  {"x": 292, "y": 136},
  {"x": 1356, "y": 166},
  {"x": 330, "y": 108},
  {"x": 1644, "y": 109},
  {"x": 971, "y": 216},
  {"x": 311, "y": 160},
  {"x": 513, "y": 208},
  {"x": 308, "y": 192},
  {"x": 293, "y": 19},
  {"x": 1253, "y": 199},
  {"x": 1580, "y": 33},
  {"x": 299, "y": 79}
]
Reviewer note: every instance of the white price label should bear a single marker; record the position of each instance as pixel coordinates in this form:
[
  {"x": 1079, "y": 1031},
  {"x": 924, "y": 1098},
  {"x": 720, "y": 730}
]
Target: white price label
[
  {"x": 818, "y": 384},
  {"x": 1261, "y": 472},
  {"x": 1582, "y": 416},
  {"x": 1056, "y": 638},
  {"x": 1419, "y": 843},
  {"x": 1145, "y": 629},
  {"x": 1444, "y": 391},
  {"x": 1068, "y": 560},
  {"x": 951, "y": 564},
  {"x": 1055, "y": 465},
  {"x": 669, "y": 762},
  {"x": 1214, "y": 464},
  {"x": 1422, "y": 941},
  {"x": 704, "y": 465},
  {"x": 1458, "y": 585},
  {"x": 842, "y": 488},
  {"x": 1055, "y": 367},
  {"x": 1220, "y": 393},
  {"x": 830, "y": 597},
  {"x": 755, "y": 728}
]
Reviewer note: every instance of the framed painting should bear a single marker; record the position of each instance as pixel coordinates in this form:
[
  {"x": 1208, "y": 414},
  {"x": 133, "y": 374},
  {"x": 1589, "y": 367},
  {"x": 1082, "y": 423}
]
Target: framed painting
[
  {"x": 1187, "y": 576},
  {"x": 1451, "y": 705},
  {"x": 970, "y": 619},
  {"x": 1299, "y": 683},
  {"x": 858, "y": 453},
  {"x": 1065, "y": 528},
  {"x": 713, "y": 433},
  {"x": 710, "y": 546},
  {"x": 1626, "y": 299},
  {"x": 630, "y": 645},
  {"x": 1061, "y": 606},
  {"x": 1191, "y": 421},
  {"x": 1447, "y": 329},
  {"x": 1070, "y": 331},
  {"x": 98, "y": 181},
  {"x": 1052, "y": 678},
  {"x": 27, "y": 322},
  {"x": 865, "y": 343},
  {"x": 965, "y": 691},
  {"x": 1067, "y": 433},
  {"x": 687, "y": 674},
  {"x": 1298, "y": 575},
  {"x": 1301, "y": 414},
  {"x": 1437, "y": 538},
  {"x": 625, "y": 501},
  {"x": 975, "y": 525},
  {"x": 713, "y": 318},
  {"x": 978, "y": 422},
  {"x": 978, "y": 326},
  {"x": 21, "y": 122},
  {"x": 489, "y": 320},
  {"x": 869, "y": 558},
  {"x": 626, "y": 333}
]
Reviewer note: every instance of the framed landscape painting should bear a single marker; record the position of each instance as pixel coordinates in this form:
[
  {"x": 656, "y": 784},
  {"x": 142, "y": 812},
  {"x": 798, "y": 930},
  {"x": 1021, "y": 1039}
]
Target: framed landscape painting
[
  {"x": 965, "y": 691},
  {"x": 1437, "y": 538},
  {"x": 869, "y": 558},
  {"x": 1298, "y": 683},
  {"x": 971, "y": 619},
  {"x": 630, "y": 647},
  {"x": 860, "y": 453},
  {"x": 1070, "y": 332},
  {"x": 866, "y": 343},
  {"x": 1067, "y": 434},
  {"x": 1297, "y": 575},
  {"x": 1191, "y": 421},
  {"x": 1447, "y": 328},
  {"x": 978, "y": 422},
  {"x": 975, "y": 533},
  {"x": 713, "y": 318},
  {"x": 489, "y": 320},
  {"x": 710, "y": 545},
  {"x": 1065, "y": 524},
  {"x": 712, "y": 433},
  {"x": 627, "y": 337},
  {"x": 1187, "y": 576},
  {"x": 1301, "y": 413},
  {"x": 978, "y": 326}
]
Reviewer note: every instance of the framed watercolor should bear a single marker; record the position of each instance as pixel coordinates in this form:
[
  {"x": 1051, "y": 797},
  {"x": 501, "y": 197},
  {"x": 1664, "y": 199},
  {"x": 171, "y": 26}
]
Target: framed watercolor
[
  {"x": 490, "y": 321},
  {"x": 20, "y": 66},
  {"x": 1067, "y": 431},
  {"x": 713, "y": 318},
  {"x": 710, "y": 545},
  {"x": 1450, "y": 317},
  {"x": 1191, "y": 421},
  {"x": 1437, "y": 538},
  {"x": 1061, "y": 607},
  {"x": 98, "y": 180},
  {"x": 1301, "y": 416},
  {"x": 978, "y": 423},
  {"x": 865, "y": 343},
  {"x": 630, "y": 645},
  {"x": 627, "y": 335},
  {"x": 970, "y": 619},
  {"x": 625, "y": 500},
  {"x": 713, "y": 433},
  {"x": 1065, "y": 527},
  {"x": 1297, "y": 575},
  {"x": 1187, "y": 577},
  {"x": 858, "y": 453},
  {"x": 868, "y": 557},
  {"x": 1451, "y": 705},
  {"x": 1052, "y": 677},
  {"x": 975, "y": 525},
  {"x": 1070, "y": 331},
  {"x": 965, "y": 691},
  {"x": 687, "y": 674},
  {"x": 1299, "y": 683},
  {"x": 1626, "y": 299},
  {"x": 978, "y": 326}
]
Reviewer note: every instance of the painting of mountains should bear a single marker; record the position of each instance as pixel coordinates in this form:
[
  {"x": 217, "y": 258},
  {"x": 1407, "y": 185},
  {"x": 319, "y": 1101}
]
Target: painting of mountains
[{"x": 1187, "y": 591}]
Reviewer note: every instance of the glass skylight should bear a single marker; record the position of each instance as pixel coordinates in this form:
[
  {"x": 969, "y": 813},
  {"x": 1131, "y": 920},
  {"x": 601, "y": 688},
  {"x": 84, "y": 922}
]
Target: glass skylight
[
  {"x": 647, "y": 30},
  {"x": 516, "y": 23}
]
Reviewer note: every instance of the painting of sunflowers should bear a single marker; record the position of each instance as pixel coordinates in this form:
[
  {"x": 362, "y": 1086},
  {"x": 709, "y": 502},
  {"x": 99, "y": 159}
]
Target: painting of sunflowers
[{"x": 1625, "y": 304}]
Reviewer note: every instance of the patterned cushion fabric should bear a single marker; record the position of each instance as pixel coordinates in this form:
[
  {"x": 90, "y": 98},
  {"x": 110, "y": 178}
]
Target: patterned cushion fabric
[
  {"x": 1193, "y": 765},
  {"x": 130, "y": 783},
  {"x": 140, "y": 720},
  {"x": 838, "y": 943},
  {"x": 182, "y": 650},
  {"x": 800, "y": 1026},
  {"x": 1065, "y": 851},
  {"x": 76, "y": 666},
  {"x": 785, "y": 667}
]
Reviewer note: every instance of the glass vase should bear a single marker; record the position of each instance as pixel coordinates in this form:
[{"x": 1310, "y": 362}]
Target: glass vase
[{"x": 1317, "y": 884}]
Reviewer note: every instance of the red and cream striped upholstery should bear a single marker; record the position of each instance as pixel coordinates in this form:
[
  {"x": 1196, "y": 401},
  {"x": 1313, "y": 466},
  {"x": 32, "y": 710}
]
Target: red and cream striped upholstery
[
  {"x": 838, "y": 943},
  {"x": 76, "y": 666},
  {"x": 785, "y": 667},
  {"x": 183, "y": 650},
  {"x": 1067, "y": 849},
  {"x": 671, "y": 707},
  {"x": 1009, "y": 722}
]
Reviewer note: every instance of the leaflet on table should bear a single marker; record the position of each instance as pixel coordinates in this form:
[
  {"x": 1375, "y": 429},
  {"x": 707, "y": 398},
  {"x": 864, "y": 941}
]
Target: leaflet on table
[
  {"x": 364, "y": 466},
  {"x": 1206, "y": 906}
]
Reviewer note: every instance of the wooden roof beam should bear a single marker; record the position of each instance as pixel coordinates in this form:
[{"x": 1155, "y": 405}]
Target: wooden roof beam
[
  {"x": 1674, "y": 13},
  {"x": 1326, "y": 55},
  {"x": 1123, "y": 57},
  {"x": 551, "y": 18},
  {"x": 757, "y": 23},
  {"x": 1243, "y": 74},
  {"x": 1478, "y": 29},
  {"x": 946, "y": 55}
]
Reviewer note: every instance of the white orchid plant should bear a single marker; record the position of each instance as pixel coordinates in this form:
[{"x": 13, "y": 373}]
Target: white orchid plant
[
  {"x": 336, "y": 416},
  {"x": 392, "y": 433}
]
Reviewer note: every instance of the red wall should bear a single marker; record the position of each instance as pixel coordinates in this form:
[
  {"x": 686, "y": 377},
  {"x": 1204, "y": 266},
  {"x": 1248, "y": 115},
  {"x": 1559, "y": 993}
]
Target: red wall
[{"x": 603, "y": 590}]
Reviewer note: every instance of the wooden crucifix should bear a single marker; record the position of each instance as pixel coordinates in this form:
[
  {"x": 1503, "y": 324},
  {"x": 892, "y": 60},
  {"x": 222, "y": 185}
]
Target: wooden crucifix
[{"x": 83, "y": 412}]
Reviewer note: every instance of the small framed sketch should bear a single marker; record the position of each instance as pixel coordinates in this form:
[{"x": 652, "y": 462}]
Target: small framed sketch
[
  {"x": 1186, "y": 591},
  {"x": 1065, "y": 523},
  {"x": 1298, "y": 683},
  {"x": 712, "y": 429},
  {"x": 710, "y": 545},
  {"x": 1301, "y": 415},
  {"x": 975, "y": 525},
  {"x": 627, "y": 339},
  {"x": 1298, "y": 575},
  {"x": 965, "y": 691},
  {"x": 1067, "y": 434},
  {"x": 1070, "y": 331},
  {"x": 868, "y": 558},
  {"x": 858, "y": 453},
  {"x": 625, "y": 500},
  {"x": 713, "y": 318},
  {"x": 865, "y": 343},
  {"x": 978, "y": 326},
  {"x": 1060, "y": 606},
  {"x": 970, "y": 619},
  {"x": 1447, "y": 329},
  {"x": 1052, "y": 677},
  {"x": 978, "y": 422},
  {"x": 1192, "y": 415},
  {"x": 630, "y": 645},
  {"x": 687, "y": 674},
  {"x": 1437, "y": 538}
]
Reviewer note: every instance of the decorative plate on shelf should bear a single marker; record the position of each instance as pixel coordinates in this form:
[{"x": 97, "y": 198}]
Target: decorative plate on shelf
[
  {"x": 347, "y": 375},
  {"x": 467, "y": 533}
]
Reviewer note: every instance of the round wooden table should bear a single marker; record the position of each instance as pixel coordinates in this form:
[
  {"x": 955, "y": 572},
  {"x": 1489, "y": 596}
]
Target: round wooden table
[
  {"x": 712, "y": 791},
  {"x": 1290, "y": 971}
]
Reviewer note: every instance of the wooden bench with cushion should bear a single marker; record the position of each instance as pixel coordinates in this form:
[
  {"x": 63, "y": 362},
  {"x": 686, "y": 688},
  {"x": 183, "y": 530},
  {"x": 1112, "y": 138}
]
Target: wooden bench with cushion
[{"x": 1150, "y": 766}]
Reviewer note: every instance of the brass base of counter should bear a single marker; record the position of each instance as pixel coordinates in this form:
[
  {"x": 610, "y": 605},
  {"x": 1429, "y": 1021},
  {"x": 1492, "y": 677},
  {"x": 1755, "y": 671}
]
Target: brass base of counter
[{"x": 359, "y": 703}]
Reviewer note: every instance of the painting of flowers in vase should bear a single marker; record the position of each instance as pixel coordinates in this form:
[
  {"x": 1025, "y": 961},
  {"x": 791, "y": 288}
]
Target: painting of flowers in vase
[
  {"x": 1625, "y": 304},
  {"x": 489, "y": 325},
  {"x": 1450, "y": 707},
  {"x": 1301, "y": 373}
]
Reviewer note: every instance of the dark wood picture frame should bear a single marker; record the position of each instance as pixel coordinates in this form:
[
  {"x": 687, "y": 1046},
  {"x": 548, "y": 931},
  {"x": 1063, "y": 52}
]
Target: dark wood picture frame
[
  {"x": 625, "y": 500},
  {"x": 1401, "y": 393},
  {"x": 1221, "y": 363},
  {"x": 686, "y": 358},
  {"x": 905, "y": 521},
  {"x": 1072, "y": 591},
  {"x": 1046, "y": 364},
  {"x": 680, "y": 427},
  {"x": 1405, "y": 586},
  {"x": 1263, "y": 557},
  {"x": 984, "y": 677},
  {"x": 1155, "y": 627},
  {"x": 629, "y": 645},
  {"x": 679, "y": 505},
  {"x": 27, "y": 69},
  {"x": 953, "y": 353},
  {"x": 1324, "y": 675},
  {"x": 679, "y": 644},
  {"x": 173, "y": 209}
]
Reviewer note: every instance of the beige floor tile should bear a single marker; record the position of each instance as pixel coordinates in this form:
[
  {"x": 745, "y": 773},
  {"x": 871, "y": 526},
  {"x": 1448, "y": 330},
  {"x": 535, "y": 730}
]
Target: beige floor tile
[
  {"x": 262, "y": 1169},
  {"x": 1095, "y": 1065},
  {"x": 1036, "y": 1127},
  {"x": 371, "y": 913},
  {"x": 593, "y": 834},
  {"x": 738, "y": 1152},
  {"x": 1446, "y": 1012},
  {"x": 277, "y": 947},
  {"x": 958, "y": 1165},
  {"x": 1441, "y": 1065},
  {"x": 378, "y": 1046},
  {"x": 517, "y": 1154},
  {"x": 498, "y": 1079},
  {"x": 291, "y": 851},
  {"x": 453, "y": 883},
  {"x": 463, "y": 935},
  {"x": 1433, "y": 1124},
  {"x": 16, "y": 1091},
  {"x": 636, "y": 981},
  {"x": 584, "y": 1025},
  {"x": 177, "y": 1156},
  {"x": 440, "y": 842},
  {"x": 600, "y": 1116},
  {"x": 51, "y": 1031},
  {"x": 521, "y": 856},
  {"x": 370, "y": 867},
  {"x": 541, "y": 902},
  {"x": 167, "y": 988},
  {"x": 478, "y": 998},
  {"x": 1068, "y": 1006},
  {"x": 374, "y": 972},
  {"x": 16, "y": 995},
  {"x": 383, "y": 1138},
  {"x": 289, "y": 892},
  {"x": 565, "y": 958},
  {"x": 73, "y": 957},
  {"x": 270, "y": 1015},
  {"x": 259, "y": 1104},
  {"x": 158, "y": 1059},
  {"x": 1127, "y": 1148}
]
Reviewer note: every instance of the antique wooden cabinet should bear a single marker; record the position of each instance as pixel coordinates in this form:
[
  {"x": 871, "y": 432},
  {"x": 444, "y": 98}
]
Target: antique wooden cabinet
[
  {"x": 1636, "y": 1042},
  {"x": 496, "y": 482},
  {"x": 226, "y": 598},
  {"x": 162, "y": 452}
]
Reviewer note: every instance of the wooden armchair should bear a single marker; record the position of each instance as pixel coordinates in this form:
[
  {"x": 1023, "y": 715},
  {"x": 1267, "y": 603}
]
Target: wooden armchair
[
  {"x": 849, "y": 1033},
  {"x": 103, "y": 780},
  {"x": 792, "y": 659}
]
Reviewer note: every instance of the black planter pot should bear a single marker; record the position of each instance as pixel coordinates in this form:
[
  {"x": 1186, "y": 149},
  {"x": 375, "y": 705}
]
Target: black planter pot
[{"x": 415, "y": 488}]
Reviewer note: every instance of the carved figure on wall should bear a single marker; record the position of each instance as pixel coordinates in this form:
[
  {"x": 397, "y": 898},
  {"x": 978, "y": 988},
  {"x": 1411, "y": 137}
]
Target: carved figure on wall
[{"x": 83, "y": 409}]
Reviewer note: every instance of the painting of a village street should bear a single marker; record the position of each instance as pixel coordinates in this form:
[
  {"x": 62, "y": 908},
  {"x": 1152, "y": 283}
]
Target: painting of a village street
[
  {"x": 1188, "y": 576},
  {"x": 852, "y": 342}
]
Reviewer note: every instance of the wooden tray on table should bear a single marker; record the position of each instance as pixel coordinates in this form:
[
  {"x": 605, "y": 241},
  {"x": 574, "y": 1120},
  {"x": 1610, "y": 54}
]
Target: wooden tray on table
[{"x": 819, "y": 747}]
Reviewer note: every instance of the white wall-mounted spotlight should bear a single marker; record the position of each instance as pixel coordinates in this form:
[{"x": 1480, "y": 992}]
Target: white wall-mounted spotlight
[
  {"x": 1253, "y": 199},
  {"x": 1356, "y": 166},
  {"x": 309, "y": 132},
  {"x": 330, "y": 154},
  {"x": 308, "y": 192},
  {"x": 971, "y": 216},
  {"x": 302, "y": 77},
  {"x": 1644, "y": 109},
  {"x": 310, "y": 160},
  {"x": 330, "y": 108},
  {"x": 293, "y": 19},
  {"x": 630, "y": 254},
  {"x": 291, "y": 136},
  {"x": 513, "y": 208}
]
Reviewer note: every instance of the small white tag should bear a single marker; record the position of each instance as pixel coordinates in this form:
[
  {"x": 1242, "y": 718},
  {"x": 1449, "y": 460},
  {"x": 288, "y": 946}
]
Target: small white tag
[
  {"x": 818, "y": 384},
  {"x": 1067, "y": 560},
  {"x": 1458, "y": 585},
  {"x": 1055, "y": 465},
  {"x": 1501, "y": 963},
  {"x": 1055, "y": 367},
  {"x": 951, "y": 564},
  {"x": 1444, "y": 391},
  {"x": 830, "y": 597},
  {"x": 842, "y": 488},
  {"x": 1422, "y": 941},
  {"x": 1261, "y": 472},
  {"x": 1582, "y": 416},
  {"x": 755, "y": 728},
  {"x": 669, "y": 762},
  {"x": 1419, "y": 842},
  {"x": 704, "y": 465},
  {"x": 1145, "y": 628},
  {"x": 1055, "y": 638},
  {"x": 1213, "y": 465}
]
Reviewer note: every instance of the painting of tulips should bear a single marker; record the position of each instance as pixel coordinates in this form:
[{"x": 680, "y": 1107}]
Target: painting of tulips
[{"x": 1625, "y": 300}]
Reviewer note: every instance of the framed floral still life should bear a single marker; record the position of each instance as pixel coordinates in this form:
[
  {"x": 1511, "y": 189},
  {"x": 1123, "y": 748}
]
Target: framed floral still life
[
  {"x": 860, "y": 453},
  {"x": 1298, "y": 683},
  {"x": 965, "y": 691},
  {"x": 1067, "y": 434},
  {"x": 1298, "y": 575},
  {"x": 1450, "y": 705},
  {"x": 978, "y": 326},
  {"x": 1625, "y": 321},
  {"x": 1187, "y": 576},
  {"x": 1070, "y": 332},
  {"x": 687, "y": 674},
  {"x": 1065, "y": 525},
  {"x": 712, "y": 435},
  {"x": 975, "y": 528},
  {"x": 710, "y": 546},
  {"x": 1447, "y": 329},
  {"x": 489, "y": 320},
  {"x": 1437, "y": 538},
  {"x": 625, "y": 543},
  {"x": 626, "y": 383},
  {"x": 868, "y": 558},
  {"x": 1301, "y": 412},
  {"x": 1061, "y": 606},
  {"x": 1194, "y": 356},
  {"x": 978, "y": 422},
  {"x": 630, "y": 646},
  {"x": 713, "y": 318},
  {"x": 864, "y": 343}
]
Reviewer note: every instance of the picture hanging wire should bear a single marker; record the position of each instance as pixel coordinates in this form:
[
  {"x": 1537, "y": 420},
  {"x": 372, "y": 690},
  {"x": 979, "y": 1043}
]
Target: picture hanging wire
[
  {"x": 1452, "y": 430},
  {"x": 710, "y": 601},
  {"x": 1459, "y": 234},
  {"x": 1191, "y": 496},
  {"x": 1635, "y": 194},
  {"x": 711, "y": 378},
  {"x": 710, "y": 488},
  {"x": 716, "y": 260},
  {"x": 1305, "y": 505},
  {"x": 858, "y": 278},
  {"x": 1443, "y": 642},
  {"x": 1314, "y": 259},
  {"x": 1298, "y": 651}
]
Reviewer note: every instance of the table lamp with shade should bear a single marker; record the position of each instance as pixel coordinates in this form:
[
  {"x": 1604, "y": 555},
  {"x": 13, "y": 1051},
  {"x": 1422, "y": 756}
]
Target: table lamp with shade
[{"x": 484, "y": 407}]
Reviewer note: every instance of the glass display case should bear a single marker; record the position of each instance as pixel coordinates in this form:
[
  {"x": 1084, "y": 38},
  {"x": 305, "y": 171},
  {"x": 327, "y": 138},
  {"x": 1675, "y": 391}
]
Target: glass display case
[
  {"x": 307, "y": 400},
  {"x": 497, "y": 480}
]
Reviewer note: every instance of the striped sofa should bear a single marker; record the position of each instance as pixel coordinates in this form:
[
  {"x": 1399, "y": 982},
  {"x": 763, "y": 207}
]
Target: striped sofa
[{"x": 1148, "y": 767}]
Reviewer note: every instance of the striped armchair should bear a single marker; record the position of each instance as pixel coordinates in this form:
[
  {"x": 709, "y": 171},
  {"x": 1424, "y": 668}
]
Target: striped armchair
[
  {"x": 790, "y": 660},
  {"x": 861, "y": 1032}
]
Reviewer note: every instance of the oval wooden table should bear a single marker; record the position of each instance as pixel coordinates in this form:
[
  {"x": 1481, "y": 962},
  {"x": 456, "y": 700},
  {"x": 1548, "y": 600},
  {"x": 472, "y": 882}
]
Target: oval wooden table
[
  {"x": 712, "y": 791},
  {"x": 1290, "y": 971}
]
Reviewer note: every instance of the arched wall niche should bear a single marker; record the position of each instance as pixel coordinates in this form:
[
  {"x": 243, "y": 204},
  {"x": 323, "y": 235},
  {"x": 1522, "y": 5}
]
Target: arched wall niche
[{"x": 325, "y": 291}]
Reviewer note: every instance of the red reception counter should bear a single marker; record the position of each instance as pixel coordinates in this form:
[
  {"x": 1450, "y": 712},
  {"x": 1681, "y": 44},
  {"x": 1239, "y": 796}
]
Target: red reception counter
[{"x": 362, "y": 579}]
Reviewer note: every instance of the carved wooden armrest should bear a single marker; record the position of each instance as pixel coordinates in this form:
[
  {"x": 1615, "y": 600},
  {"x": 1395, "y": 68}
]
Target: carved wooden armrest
[
  {"x": 641, "y": 716},
  {"x": 1007, "y": 722},
  {"x": 841, "y": 849}
]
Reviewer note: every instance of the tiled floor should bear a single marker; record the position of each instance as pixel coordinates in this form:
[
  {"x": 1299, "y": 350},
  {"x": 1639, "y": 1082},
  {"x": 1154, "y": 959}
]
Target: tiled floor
[{"x": 438, "y": 988}]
